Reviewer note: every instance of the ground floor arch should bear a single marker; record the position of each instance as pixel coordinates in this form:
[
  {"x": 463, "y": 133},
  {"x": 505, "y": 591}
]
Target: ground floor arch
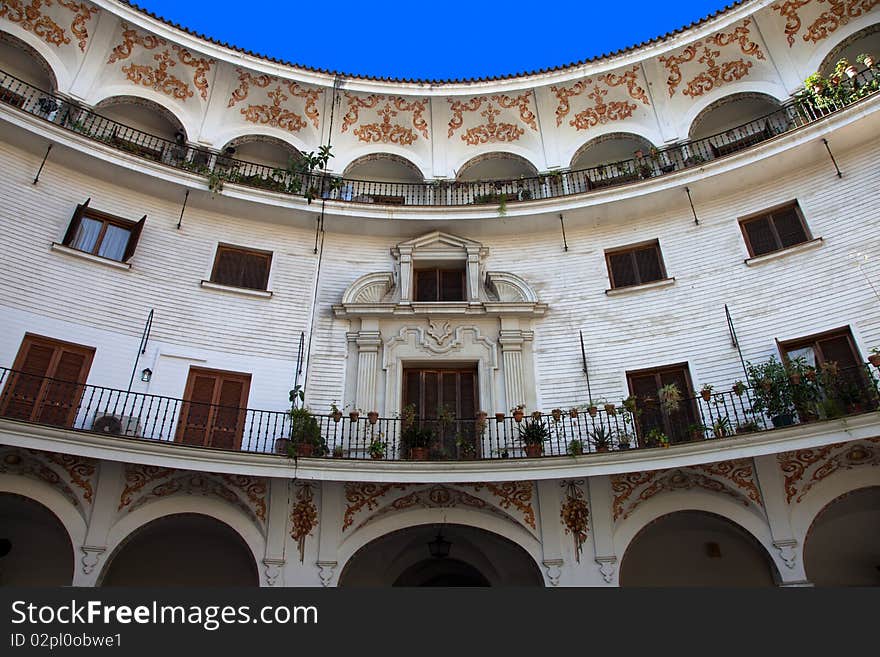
[
  {"x": 440, "y": 555},
  {"x": 842, "y": 546},
  {"x": 182, "y": 550},
  {"x": 35, "y": 548},
  {"x": 696, "y": 548}
]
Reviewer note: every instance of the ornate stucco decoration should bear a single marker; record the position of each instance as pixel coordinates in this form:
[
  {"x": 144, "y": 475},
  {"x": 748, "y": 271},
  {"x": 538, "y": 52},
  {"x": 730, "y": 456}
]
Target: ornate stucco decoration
[
  {"x": 516, "y": 494},
  {"x": 839, "y": 12},
  {"x": 492, "y": 131},
  {"x": 386, "y": 108},
  {"x": 575, "y": 514},
  {"x": 303, "y": 517},
  {"x": 487, "y": 293},
  {"x": 275, "y": 112},
  {"x": 364, "y": 496},
  {"x": 734, "y": 479},
  {"x": 73, "y": 476},
  {"x": 159, "y": 76},
  {"x": 147, "y": 483},
  {"x": 710, "y": 73},
  {"x": 600, "y": 112},
  {"x": 805, "y": 468},
  {"x": 31, "y": 17}
]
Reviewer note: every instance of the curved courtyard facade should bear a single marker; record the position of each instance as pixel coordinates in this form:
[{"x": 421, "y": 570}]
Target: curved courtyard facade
[{"x": 659, "y": 267}]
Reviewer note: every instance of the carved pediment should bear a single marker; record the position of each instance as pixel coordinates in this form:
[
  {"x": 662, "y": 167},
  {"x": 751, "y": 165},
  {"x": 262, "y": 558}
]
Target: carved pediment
[
  {"x": 507, "y": 287},
  {"x": 369, "y": 289}
]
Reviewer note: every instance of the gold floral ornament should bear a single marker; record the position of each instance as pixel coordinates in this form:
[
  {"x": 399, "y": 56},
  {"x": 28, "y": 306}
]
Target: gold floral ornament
[
  {"x": 789, "y": 11},
  {"x": 492, "y": 132},
  {"x": 84, "y": 13},
  {"x": 386, "y": 131},
  {"x": 275, "y": 114},
  {"x": 575, "y": 515},
  {"x": 839, "y": 13},
  {"x": 30, "y": 17},
  {"x": 303, "y": 518},
  {"x": 159, "y": 78}
]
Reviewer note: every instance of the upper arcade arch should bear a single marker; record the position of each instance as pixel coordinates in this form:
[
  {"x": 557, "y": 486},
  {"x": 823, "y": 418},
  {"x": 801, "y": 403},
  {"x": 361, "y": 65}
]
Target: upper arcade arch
[
  {"x": 40, "y": 552},
  {"x": 731, "y": 111},
  {"x": 23, "y": 61},
  {"x": 174, "y": 113},
  {"x": 496, "y": 165},
  {"x": 263, "y": 150},
  {"x": 143, "y": 114},
  {"x": 383, "y": 167},
  {"x": 845, "y": 37},
  {"x": 608, "y": 148},
  {"x": 43, "y": 56},
  {"x": 866, "y": 40}
]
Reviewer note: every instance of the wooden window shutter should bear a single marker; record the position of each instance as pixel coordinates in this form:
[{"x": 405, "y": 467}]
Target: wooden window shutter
[
  {"x": 760, "y": 236},
  {"x": 467, "y": 407},
  {"x": 623, "y": 271},
  {"x": 838, "y": 349},
  {"x": 426, "y": 285},
  {"x": 789, "y": 227},
  {"x": 229, "y": 414},
  {"x": 451, "y": 285},
  {"x": 133, "y": 238},
  {"x": 196, "y": 410},
  {"x": 74, "y": 222},
  {"x": 431, "y": 391},
  {"x": 228, "y": 268},
  {"x": 449, "y": 392},
  {"x": 255, "y": 271},
  {"x": 412, "y": 387},
  {"x": 648, "y": 263},
  {"x": 60, "y": 398}
]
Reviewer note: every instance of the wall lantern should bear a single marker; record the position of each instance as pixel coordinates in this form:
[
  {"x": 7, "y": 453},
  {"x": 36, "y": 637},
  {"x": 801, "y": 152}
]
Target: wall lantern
[
  {"x": 146, "y": 375},
  {"x": 439, "y": 547}
]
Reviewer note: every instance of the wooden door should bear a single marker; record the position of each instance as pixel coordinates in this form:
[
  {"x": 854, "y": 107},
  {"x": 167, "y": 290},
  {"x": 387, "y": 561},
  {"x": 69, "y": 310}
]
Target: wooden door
[
  {"x": 47, "y": 381},
  {"x": 645, "y": 386},
  {"x": 214, "y": 409},
  {"x": 446, "y": 401}
]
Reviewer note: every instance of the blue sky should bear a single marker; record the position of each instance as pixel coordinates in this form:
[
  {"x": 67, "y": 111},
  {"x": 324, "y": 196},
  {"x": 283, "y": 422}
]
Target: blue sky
[{"x": 432, "y": 40}]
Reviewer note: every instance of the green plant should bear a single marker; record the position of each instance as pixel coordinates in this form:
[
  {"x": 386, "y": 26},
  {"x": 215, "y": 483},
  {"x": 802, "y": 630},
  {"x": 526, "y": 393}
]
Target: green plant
[
  {"x": 601, "y": 438},
  {"x": 305, "y": 430},
  {"x": 739, "y": 388},
  {"x": 533, "y": 432},
  {"x": 630, "y": 404},
  {"x": 721, "y": 427},
  {"x": 747, "y": 426},
  {"x": 215, "y": 182},
  {"x": 377, "y": 447},
  {"x": 670, "y": 398},
  {"x": 624, "y": 438},
  {"x": 772, "y": 389},
  {"x": 467, "y": 447},
  {"x": 656, "y": 437},
  {"x": 815, "y": 83},
  {"x": 502, "y": 205},
  {"x": 415, "y": 436},
  {"x": 575, "y": 447}
]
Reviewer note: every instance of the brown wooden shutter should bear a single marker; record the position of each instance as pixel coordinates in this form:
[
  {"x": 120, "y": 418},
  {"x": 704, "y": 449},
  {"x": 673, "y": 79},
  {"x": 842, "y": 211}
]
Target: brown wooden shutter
[
  {"x": 451, "y": 285},
  {"x": 838, "y": 349},
  {"x": 133, "y": 238},
  {"x": 623, "y": 271},
  {"x": 229, "y": 414},
  {"x": 426, "y": 285},
  {"x": 227, "y": 271},
  {"x": 60, "y": 397},
  {"x": 648, "y": 263},
  {"x": 760, "y": 236},
  {"x": 75, "y": 222},
  {"x": 789, "y": 227},
  {"x": 431, "y": 393},
  {"x": 467, "y": 407},
  {"x": 196, "y": 410},
  {"x": 255, "y": 271},
  {"x": 412, "y": 387},
  {"x": 23, "y": 390}
]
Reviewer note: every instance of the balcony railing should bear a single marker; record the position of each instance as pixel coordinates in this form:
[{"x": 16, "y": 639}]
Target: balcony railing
[
  {"x": 219, "y": 168},
  {"x": 639, "y": 424}
]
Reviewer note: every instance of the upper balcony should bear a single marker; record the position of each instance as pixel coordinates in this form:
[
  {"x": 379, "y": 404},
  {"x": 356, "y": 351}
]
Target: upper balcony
[
  {"x": 304, "y": 177},
  {"x": 785, "y": 409}
]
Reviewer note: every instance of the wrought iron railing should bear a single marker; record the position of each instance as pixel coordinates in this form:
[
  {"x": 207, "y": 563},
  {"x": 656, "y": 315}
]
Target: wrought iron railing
[
  {"x": 636, "y": 424},
  {"x": 218, "y": 168}
]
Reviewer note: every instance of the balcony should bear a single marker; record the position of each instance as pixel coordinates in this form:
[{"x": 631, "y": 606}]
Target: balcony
[
  {"x": 638, "y": 424},
  {"x": 802, "y": 110}
]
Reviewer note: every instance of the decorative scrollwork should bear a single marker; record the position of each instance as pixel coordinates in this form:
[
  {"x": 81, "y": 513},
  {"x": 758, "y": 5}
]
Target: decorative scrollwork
[
  {"x": 361, "y": 496},
  {"x": 303, "y": 517},
  {"x": 130, "y": 38},
  {"x": 83, "y": 14},
  {"x": 274, "y": 115},
  {"x": 602, "y": 112},
  {"x": 159, "y": 78},
  {"x": 30, "y": 17},
  {"x": 245, "y": 79},
  {"x": 138, "y": 476},
  {"x": 805, "y": 468},
  {"x": 253, "y": 489},
  {"x": 355, "y": 104},
  {"x": 563, "y": 94},
  {"x": 79, "y": 469},
  {"x": 630, "y": 79},
  {"x": 491, "y": 132},
  {"x": 740, "y": 472},
  {"x": 385, "y": 132},
  {"x": 522, "y": 103},
  {"x": 839, "y": 13},
  {"x": 789, "y": 11},
  {"x": 458, "y": 108},
  {"x": 517, "y": 494},
  {"x": 201, "y": 66}
]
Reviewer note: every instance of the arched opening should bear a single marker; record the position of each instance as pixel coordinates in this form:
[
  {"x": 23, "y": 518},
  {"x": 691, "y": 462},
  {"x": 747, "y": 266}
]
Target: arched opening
[
  {"x": 182, "y": 550},
  {"x": 695, "y": 548},
  {"x": 262, "y": 150},
  {"x": 842, "y": 547},
  {"x": 609, "y": 159},
  {"x": 731, "y": 112},
  {"x": 863, "y": 42},
  {"x": 381, "y": 178},
  {"x": 415, "y": 557},
  {"x": 22, "y": 61},
  {"x": 142, "y": 114},
  {"x": 496, "y": 166},
  {"x": 35, "y": 548}
]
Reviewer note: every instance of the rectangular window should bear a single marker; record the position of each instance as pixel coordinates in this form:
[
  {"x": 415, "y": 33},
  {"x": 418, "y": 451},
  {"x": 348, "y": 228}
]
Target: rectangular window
[
  {"x": 47, "y": 381},
  {"x": 449, "y": 392},
  {"x": 635, "y": 265},
  {"x": 240, "y": 267},
  {"x": 103, "y": 234},
  {"x": 214, "y": 408},
  {"x": 439, "y": 285},
  {"x": 677, "y": 423},
  {"x": 774, "y": 230}
]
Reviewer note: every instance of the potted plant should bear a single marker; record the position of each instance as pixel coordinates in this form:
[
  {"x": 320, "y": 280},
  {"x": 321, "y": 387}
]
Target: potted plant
[
  {"x": 772, "y": 391},
  {"x": 874, "y": 358},
  {"x": 610, "y": 409},
  {"x": 557, "y": 414},
  {"x": 416, "y": 441},
  {"x": 843, "y": 67},
  {"x": 338, "y": 452},
  {"x": 721, "y": 427},
  {"x": 305, "y": 433},
  {"x": 533, "y": 434},
  {"x": 499, "y": 417},
  {"x": 536, "y": 415},
  {"x": 517, "y": 412},
  {"x": 656, "y": 438},
  {"x": 592, "y": 409},
  {"x": 373, "y": 417},
  {"x": 670, "y": 398},
  {"x": 573, "y": 412},
  {"x": 575, "y": 447},
  {"x": 747, "y": 426},
  {"x": 866, "y": 60},
  {"x": 601, "y": 438},
  {"x": 354, "y": 414},
  {"x": 467, "y": 447},
  {"x": 706, "y": 392},
  {"x": 377, "y": 447},
  {"x": 630, "y": 404},
  {"x": 624, "y": 439},
  {"x": 697, "y": 431},
  {"x": 335, "y": 413},
  {"x": 805, "y": 392},
  {"x": 739, "y": 388}
]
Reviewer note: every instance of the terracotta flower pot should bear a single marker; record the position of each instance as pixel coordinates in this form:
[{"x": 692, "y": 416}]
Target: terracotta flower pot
[
  {"x": 304, "y": 449},
  {"x": 499, "y": 417},
  {"x": 336, "y": 416},
  {"x": 852, "y": 71},
  {"x": 706, "y": 394},
  {"x": 874, "y": 359},
  {"x": 573, "y": 413},
  {"x": 376, "y": 456},
  {"x": 353, "y": 416},
  {"x": 534, "y": 450},
  {"x": 518, "y": 416},
  {"x": 592, "y": 410},
  {"x": 373, "y": 417},
  {"x": 418, "y": 453},
  {"x": 610, "y": 409},
  {"x": 557, "y": 414},
  {"x": 282, "y": 446}
]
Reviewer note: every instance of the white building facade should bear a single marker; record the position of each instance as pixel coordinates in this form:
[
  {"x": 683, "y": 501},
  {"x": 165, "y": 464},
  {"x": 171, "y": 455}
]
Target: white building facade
[{"x": 618, "y": 248}]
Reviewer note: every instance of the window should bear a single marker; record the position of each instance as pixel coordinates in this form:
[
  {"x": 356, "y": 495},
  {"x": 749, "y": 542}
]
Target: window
[
  {"x": 439, "y": 285},
  {"x": 47, "y": 381},
  {"x": 774, "y": 230},
  {"x": 645, "y": 385},
  {"x": 214, "y": 408},
  {"x": 103, "y": 234},
  {"x": 453, "y": 391},
  {"x": 239, "y": 267},
  {"x": 635, "y": 265}
]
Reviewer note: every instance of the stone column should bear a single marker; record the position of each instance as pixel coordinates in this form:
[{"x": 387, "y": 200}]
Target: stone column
[
  {"x": 789, "y": 556},
  {"x": 406, "y": 274},
  {"x": 551, "y": 541},
  {"x": 602, "y": 525},
  {"x": 473, "y": 275},
  {"x": 511, "y": 342},
  {"x": 93, "y": 552},
  {"x": 368, "y": 342},
  {"x": 276, "y": 530}
]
